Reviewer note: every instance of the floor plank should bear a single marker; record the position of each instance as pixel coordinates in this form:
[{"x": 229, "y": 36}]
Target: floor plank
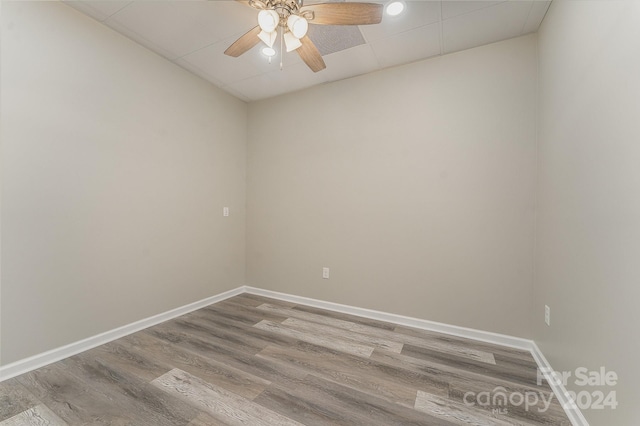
[
  {"x": 318, "y": 339},
  {"x": 338, "y": 333},
  {"x": 456, "y": 413},
  {"x": 505, "y": 371},
  {"x": 346, "y": 317},
  {"x": 204, "y": 419},
  {"x": 132, "y": 395},
  {"x": 40, "y": 415},
  {"x": 242, "y": 313},
  {"x": 14, "y": 399},
  {"x": 504, "y": 351},
  {"x": 217, "y": 402},
  {"x": 73, "y": 399}
]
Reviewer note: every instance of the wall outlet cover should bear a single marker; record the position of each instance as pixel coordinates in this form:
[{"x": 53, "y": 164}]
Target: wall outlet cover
[{"x": 547, "y": 315}]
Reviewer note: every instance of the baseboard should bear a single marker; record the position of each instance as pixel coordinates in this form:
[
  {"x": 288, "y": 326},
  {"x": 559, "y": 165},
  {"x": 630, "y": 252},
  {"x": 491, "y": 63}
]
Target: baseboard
[
  {"x": 28, "y": 364},
  {"x": 573, "y": 413},
  {"x": 469, "y": 333}
]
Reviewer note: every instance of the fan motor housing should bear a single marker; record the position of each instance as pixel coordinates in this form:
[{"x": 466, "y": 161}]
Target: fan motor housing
[{"x": 283, "y": 7}]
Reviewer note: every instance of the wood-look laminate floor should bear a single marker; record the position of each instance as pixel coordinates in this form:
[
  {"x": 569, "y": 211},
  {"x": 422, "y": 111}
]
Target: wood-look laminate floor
[{"x": 251, "y": 360}]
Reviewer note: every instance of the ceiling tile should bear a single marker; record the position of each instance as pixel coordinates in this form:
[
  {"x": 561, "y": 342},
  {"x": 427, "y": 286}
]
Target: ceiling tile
[
  {"x": 99, "y": 9},
  {"x": 334, "y": 38},
  {"x": 182, "y": 27},
  {"x": 484, "y": 26},
  {"x": 457, "y": 8},
  {"x": 348, "y": 63},
  {"x": 410, "y": 46},
  {"x": 417, "y": 14}
]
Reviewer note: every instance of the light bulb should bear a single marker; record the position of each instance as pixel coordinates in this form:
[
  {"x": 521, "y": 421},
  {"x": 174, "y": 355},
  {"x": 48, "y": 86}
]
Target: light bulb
[
  {"x": 269, "y": 51},
  {"x": 268, "y": 20},
  {"x": 297, "y": 25},
  {"x": 395, "y": 8}
]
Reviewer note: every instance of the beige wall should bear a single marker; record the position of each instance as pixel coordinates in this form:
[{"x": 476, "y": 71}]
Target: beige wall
[
  {"x": 116, "y": 166},
  {"x": 588, "y": 270},
  {"x": 415, "y": 185}
]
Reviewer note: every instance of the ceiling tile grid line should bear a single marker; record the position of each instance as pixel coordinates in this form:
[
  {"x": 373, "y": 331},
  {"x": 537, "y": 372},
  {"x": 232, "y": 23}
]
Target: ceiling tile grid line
[
  {"x": 524, "y": 25},
  {"x": 455, "y": 8},
  {"x": 122, "y": 8},
  {"x": 195, "y": 34}
]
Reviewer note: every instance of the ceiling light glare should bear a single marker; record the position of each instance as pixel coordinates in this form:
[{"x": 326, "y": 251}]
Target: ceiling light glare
[
  {"x": 395, "y": 8},
  {"x": 298, "y": 26},
  {"x": 268, "y": 20},
  {"x": 269, "y": 52}
]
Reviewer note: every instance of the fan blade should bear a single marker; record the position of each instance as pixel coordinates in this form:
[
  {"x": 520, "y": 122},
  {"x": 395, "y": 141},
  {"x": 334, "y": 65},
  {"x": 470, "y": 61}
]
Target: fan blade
[
  {"x": 345, "y": 13},
  {"x": 244, "y": 43},
  {"x": 310, "y": 55}
]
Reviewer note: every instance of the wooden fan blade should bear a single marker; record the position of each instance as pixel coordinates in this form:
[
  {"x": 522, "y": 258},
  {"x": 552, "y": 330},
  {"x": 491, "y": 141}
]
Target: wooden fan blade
[
  {"x": 310, "y": 55},
  {"x": 345, "y": 13},
  {"x": 244, "y": 43}
]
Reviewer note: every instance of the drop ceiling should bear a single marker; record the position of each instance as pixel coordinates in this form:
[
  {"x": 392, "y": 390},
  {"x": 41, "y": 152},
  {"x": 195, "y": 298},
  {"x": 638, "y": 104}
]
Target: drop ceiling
[{"x": 194, "y": 35}]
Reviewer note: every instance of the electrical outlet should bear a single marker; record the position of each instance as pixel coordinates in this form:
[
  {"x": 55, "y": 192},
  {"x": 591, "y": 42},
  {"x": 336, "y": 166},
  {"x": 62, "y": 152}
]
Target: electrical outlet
[
  {"x": 547, "y": 315},
  {"x": 325, "y": 273},
  {"x": 225, "y": 211}
]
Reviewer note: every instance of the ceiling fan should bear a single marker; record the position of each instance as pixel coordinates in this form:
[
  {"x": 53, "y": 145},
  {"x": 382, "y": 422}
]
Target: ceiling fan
[{"x": 293, "y": 19}]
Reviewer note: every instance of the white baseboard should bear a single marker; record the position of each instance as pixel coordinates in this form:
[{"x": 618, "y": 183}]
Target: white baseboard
[
  {"x": 469, "y": 333},
  {"x": 570, "y": 408},
  {"x": 573, "y": 413},
  {"x": 29, "y": 364},
  {"x": 34, "y": 362}
]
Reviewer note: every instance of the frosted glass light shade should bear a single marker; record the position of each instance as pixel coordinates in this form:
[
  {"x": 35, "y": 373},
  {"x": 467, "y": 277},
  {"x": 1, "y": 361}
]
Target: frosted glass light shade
[
  {"x": 395, "y": 8},
  {"x": 268, "y": 38},
  {"x": 269, "y": 52},
  {"x": 291, "y": 41},
  {"x": 297, "y": 25},
  {"x": 268, "y": 20}
]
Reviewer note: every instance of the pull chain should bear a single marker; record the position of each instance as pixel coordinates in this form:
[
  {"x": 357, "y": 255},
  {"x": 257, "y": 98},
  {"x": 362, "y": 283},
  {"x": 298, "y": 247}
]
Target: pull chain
[{"x": 281, "y": 48}]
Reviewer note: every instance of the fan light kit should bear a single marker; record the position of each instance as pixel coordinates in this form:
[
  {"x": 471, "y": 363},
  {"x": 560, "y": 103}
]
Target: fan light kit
[{"x": 290, "y": 20}]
